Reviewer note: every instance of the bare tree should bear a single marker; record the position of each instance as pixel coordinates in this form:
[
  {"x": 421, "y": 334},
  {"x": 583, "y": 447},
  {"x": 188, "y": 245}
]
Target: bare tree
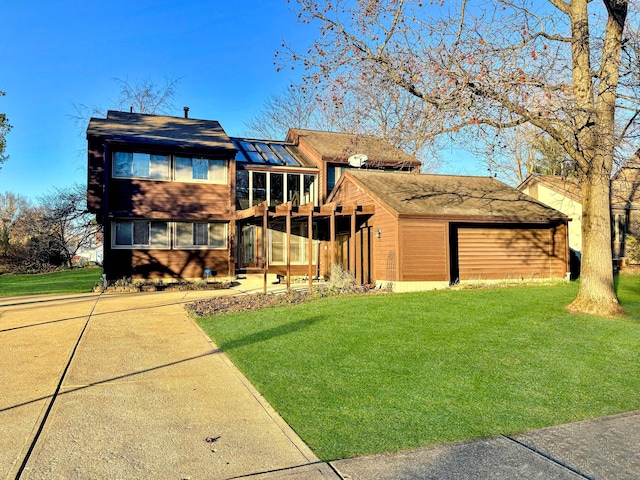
[
  {"x": 141, "y": 96},
  {"x": 5, "y": 127},
  {"x": 23, "y": 246},
  {"x": 67, "y": 223},
  {"x": 481, "y": 66},
  {"x": 294, "y": 108},
  {"x": 358, "y": 110},
  {"x": 12, "y": 207}
]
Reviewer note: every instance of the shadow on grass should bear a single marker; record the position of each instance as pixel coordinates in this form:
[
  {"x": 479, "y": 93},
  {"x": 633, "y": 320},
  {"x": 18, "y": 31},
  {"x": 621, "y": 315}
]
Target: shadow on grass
[{"x": 271, "y": 333}]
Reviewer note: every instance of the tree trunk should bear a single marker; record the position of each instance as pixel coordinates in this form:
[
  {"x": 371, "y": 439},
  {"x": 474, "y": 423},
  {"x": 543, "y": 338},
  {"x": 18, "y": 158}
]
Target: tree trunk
[
  {"x": 595, "y": 122},
  {"x": 597, "y": 295}
]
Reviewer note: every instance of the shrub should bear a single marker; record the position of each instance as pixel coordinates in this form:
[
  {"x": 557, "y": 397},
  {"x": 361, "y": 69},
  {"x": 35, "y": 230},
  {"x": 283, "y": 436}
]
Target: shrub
[
  {"x": 632, "y": 249},
  {"x": 257, "y": 301}
]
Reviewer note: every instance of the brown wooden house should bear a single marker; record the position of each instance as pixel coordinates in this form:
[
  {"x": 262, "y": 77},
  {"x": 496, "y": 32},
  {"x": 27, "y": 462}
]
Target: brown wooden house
[
  {"x": 180, "y": 199},
  {"x": 440, "y": 229}
]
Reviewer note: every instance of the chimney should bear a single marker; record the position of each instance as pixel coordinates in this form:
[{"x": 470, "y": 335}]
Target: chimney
[
  {"x": 186, "y": 112},
  {"x": 131, "y": 109}
]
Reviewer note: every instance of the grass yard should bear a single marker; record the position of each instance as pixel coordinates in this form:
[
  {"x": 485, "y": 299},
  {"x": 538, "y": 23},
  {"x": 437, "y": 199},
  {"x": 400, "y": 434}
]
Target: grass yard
[
  {"x": 364, "y": 374},
  {"x": 68, "y": 281}
]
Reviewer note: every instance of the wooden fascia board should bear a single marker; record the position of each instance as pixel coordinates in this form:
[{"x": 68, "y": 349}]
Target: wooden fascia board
[
  {"x": 369, "y": 192},
  {"x": 259, "y": 167},
  {"x": 483, "y": 218},
  {"x": 305, "y": 211}
]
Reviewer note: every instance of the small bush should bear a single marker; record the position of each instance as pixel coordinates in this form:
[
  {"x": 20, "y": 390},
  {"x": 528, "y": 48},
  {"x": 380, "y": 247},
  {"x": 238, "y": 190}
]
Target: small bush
[
  {"x": 343, "y": 281},
  {"x": 632, "y": 250}
]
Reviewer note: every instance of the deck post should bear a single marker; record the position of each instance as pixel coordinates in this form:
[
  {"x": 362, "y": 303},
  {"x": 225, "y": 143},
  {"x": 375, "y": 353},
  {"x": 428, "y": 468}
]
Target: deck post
[
  {"x": 352, "y": 245},
  {"x": 288, "y": 223},
  {"x": 265, "y": 219},
  {"x": 332, "y": 232},
  {"x": 310, "y": 247}
]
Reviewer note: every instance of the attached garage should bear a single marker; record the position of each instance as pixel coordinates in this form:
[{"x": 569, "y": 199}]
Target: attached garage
[
  {"x": 508, "y": 251},
  {"x": 436, "y": 230}
]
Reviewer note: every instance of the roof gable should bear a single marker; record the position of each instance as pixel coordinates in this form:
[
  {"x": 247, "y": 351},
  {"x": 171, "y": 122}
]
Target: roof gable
[
  {"x": 449, "y": 195},
  {"x": 160, "y": 130},
  {"x": 338, "y": 147},
  {"x": 567, "y": 186}
]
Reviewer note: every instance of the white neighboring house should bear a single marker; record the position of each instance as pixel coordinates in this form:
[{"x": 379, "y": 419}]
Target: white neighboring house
[
  {"x": 91, "y": 253},
  {"x": 563, "y": 194}
]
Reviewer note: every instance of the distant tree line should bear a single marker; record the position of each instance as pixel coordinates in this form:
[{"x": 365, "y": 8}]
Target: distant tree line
[{"x": 47, "y": 234}]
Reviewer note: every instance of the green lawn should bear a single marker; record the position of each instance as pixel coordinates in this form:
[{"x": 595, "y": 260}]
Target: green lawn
[
  {"x": 69, "y": 281},
  {"x": 368, "y": 374}
]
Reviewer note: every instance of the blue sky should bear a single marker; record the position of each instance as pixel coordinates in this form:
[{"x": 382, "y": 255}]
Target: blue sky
[{"x": 59, "y": 54}]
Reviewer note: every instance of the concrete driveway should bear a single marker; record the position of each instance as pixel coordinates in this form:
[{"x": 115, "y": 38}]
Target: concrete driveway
[{"x": 128, "y": 386}]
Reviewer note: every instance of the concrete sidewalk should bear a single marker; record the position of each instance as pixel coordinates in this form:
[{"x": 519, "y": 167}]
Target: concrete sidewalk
[
  {"x": 603, "y": 449},
  {"x": 147, "y": 395}
]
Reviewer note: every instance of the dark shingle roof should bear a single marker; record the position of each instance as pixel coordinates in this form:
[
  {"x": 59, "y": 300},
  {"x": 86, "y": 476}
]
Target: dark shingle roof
[
  {"x": 338, "y": 147},
  {"x": 448, "y": 195},
  {"x": 160, "y": 130}
]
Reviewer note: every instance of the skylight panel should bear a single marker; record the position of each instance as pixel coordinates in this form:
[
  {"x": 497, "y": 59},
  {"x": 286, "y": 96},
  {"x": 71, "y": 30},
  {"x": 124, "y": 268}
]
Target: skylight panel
[
  {"x": 248, "y": 146},
  {"x": 247, "y": 152},
  {"x": 284, "y": 154},
  {"x": 268, "y": 153}
]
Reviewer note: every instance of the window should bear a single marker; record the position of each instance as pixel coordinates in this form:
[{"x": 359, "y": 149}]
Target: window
[
  {"x": 333, "y": 175},
  {"x": 277, "y": 189},
  {"x": 309, "y": 192},
  {"x": 242, "y": 189},
  {"x": 140, "y": 165},
  {"x": 251, "y": 188},
  {"x": 201, "y": 235},
  {"x": 140, "y": 234},
  {"x": 293, "y": 189},
  {"x": 299, "y": 244},
  {"x": 188, "y": 169},
  {"x": 259, "y": 189}
]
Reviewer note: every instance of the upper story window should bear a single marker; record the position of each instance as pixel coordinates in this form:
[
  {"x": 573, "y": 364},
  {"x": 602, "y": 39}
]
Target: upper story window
[
  {"x": 159, "y": 167},
  {"x": 141, "y": 165},
  {"x": 334, "y": 172},
  {"x": 253, "y": 188},
  {"x": 191, "y": 169}
]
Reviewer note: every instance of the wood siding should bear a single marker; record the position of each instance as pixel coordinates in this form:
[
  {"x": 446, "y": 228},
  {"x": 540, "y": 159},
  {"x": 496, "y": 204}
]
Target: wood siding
[
  {"x": 383, "y": 246},
  {"x": 169, "y": 200},
  {"x": 95, "y": 177},
  {"x": 423, "y": 247},
  {"x": 166, "y": 264},
  {"x": 505, "y": 253}
]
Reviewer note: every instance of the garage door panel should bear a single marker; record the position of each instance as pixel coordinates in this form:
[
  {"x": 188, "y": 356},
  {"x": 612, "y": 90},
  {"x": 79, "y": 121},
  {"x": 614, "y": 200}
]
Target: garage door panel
[{"x": 492, "y": 253}]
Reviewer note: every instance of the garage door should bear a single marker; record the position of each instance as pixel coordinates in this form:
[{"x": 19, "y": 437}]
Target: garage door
[{"x": 502, "y": 253}]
